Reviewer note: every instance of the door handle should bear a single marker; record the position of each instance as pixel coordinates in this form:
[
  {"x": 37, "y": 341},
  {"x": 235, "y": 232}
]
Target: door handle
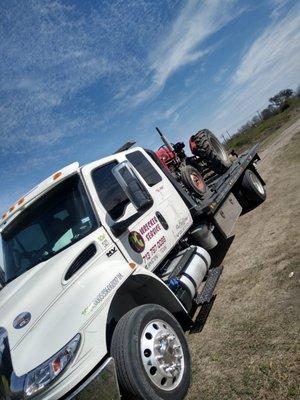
[{"x": 162, "y": 221}]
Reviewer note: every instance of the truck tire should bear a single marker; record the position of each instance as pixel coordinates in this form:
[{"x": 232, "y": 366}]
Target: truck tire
[
  {"x": 207, "y": 146},
  {"x": 253, "y": 189},
  {"x": 193, "y": 180},
  {"x": 151, "y": 355}
]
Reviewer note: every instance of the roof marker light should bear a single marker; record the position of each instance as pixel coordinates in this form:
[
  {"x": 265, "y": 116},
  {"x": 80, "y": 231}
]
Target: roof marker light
[
  {"x": 57, "y": 175},
  {"x": 21, "y": 201}
]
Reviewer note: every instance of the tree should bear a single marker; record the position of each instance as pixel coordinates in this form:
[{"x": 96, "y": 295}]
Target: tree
[
  {"x": 255, "y": 120},
  {"x": 268, "y": 112},
  {"x": 281, "y": 97}
]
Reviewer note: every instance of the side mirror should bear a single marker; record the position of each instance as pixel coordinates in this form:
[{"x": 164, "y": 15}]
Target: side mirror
[{"x": 134, "y": 189}]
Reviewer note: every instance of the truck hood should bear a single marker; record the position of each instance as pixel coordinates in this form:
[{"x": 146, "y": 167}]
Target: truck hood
[
  {"x": 33, "y": 292},
  {"x": 56, "y": 307},
  {"x": 55, "y": 310}
]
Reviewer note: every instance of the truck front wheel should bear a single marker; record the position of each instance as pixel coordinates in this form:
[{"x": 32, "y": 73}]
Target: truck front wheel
[{"x": 151, "y": 355}]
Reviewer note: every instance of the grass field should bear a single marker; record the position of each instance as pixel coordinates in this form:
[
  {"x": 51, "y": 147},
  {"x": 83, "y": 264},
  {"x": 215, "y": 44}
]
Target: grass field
[
  {"x": 265, "y": 130},
  {"x": 249, "y": 348}
]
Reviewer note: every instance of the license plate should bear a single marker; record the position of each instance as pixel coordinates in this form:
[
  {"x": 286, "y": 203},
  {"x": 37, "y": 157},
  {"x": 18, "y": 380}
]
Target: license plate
[{"x": 227, "y": 215}]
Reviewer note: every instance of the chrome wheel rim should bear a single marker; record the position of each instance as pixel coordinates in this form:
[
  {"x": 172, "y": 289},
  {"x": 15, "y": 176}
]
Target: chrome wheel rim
[
  {"x": 162, "y": 355},
  {"x": 257, "y": 183},
  {"x": 219, "y": 149}
]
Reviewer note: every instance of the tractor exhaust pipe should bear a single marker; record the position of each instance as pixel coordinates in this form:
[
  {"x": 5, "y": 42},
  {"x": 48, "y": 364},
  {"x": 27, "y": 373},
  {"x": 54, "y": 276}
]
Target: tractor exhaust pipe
[{"x": 165, "y": 140}]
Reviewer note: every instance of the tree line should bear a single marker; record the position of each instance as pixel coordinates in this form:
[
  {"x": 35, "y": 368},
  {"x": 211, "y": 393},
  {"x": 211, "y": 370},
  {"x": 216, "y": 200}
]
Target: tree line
[{"x": 277, "y": 104}]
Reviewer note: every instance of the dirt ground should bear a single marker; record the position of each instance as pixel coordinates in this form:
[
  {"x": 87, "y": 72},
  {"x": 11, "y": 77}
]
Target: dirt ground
[{"x": 248, "y": 348}]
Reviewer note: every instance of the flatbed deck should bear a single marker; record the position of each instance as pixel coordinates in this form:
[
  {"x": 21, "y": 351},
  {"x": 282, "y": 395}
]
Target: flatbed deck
[{"x": 222, "y": 185}]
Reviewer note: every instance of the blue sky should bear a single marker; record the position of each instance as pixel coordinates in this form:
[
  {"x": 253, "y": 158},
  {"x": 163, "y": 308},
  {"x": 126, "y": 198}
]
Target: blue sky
[{"x": 79, "y": 78}]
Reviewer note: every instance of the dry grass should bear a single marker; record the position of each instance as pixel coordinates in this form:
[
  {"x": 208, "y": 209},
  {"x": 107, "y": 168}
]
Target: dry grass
[
  {"x": 265, "y": 131},
  {"x": 248, "y": 349}
]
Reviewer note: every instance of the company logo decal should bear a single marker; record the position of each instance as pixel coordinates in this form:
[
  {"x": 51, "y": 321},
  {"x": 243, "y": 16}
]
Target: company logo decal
[
  {"x": 111, "y": 252},
  {"x": 22, "y": 320},
  {"x": 136, "y": 242},
  {"x": 104, "y": 243}
]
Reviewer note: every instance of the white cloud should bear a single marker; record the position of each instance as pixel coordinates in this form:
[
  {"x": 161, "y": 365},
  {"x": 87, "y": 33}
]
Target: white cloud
[
  {"x": 271, "y": 63},
  {"x": 47, "y": 55},
  {"x": 51, "y": 54},
  {"x": 220, "y": 74},
  {"x": 277, "y": 6},
  {"x": 272, "y": 50},
  {"x": 196, "y": 23},
  {"x": 165, "y": 111}
]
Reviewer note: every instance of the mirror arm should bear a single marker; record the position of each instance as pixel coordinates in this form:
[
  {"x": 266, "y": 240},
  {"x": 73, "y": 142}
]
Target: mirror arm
[
  {"x": 2, "y": 279},
  {"x": 120, "y": 227}
]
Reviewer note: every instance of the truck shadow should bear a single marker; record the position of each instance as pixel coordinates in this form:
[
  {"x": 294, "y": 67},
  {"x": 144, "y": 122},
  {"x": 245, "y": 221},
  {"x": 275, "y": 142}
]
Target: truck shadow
[{"x": 219, "y": 252}]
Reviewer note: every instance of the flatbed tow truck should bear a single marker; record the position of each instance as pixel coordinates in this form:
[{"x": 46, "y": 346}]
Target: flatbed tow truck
[{"x": 106, "y": 266}]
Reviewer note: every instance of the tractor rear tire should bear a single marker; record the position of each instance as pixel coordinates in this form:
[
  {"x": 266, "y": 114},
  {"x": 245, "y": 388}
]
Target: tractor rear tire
[{"x": 207, "y": 146}]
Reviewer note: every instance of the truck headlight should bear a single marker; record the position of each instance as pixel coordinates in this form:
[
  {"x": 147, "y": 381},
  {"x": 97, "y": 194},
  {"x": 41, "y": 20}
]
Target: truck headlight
[{"x": 39, "y": 378}]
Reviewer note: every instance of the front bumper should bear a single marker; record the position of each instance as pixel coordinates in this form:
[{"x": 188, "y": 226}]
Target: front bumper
[{"x": 102, "y": 384}]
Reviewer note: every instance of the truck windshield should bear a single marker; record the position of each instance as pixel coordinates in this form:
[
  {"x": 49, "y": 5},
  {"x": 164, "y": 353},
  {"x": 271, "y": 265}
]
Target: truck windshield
[{"x": 50, "y": 224}]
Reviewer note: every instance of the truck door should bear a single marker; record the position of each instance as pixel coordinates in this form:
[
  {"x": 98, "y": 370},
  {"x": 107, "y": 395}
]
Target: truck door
[{"x": 152, "y": 234}]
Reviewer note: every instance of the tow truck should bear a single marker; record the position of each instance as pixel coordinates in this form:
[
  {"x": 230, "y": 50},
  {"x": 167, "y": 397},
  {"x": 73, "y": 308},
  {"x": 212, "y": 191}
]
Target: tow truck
[{"x": 107, "y": 267}]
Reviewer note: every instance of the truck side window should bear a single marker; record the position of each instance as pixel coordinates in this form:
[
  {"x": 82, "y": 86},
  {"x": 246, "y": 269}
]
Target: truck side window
[
  {"x": 110, "y": 193},
  {"x": 144, "y": 168}
]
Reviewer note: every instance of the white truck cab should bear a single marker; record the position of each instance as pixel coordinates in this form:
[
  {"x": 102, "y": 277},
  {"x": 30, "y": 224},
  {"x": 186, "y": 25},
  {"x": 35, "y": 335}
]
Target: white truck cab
[{"x": 104, "y": 269}]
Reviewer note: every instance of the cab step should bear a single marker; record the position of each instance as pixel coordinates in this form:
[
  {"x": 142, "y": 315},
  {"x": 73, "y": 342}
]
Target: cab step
[
  {"x": 211, "y": 282},
  {"x": 202, "y": 316},
  {"x": 205, "y": 300}
]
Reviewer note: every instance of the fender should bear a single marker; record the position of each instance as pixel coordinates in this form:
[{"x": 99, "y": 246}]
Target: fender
[{"x": 144, "y": 287}]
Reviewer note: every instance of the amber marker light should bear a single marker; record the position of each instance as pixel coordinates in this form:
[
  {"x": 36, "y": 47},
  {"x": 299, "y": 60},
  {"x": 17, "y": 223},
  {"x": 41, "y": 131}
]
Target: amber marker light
[{"x": 57, "y": 175}]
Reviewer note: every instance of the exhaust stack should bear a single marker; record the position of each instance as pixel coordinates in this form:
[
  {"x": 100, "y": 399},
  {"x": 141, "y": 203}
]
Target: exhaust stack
[{"x": 165, "y": 140}]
